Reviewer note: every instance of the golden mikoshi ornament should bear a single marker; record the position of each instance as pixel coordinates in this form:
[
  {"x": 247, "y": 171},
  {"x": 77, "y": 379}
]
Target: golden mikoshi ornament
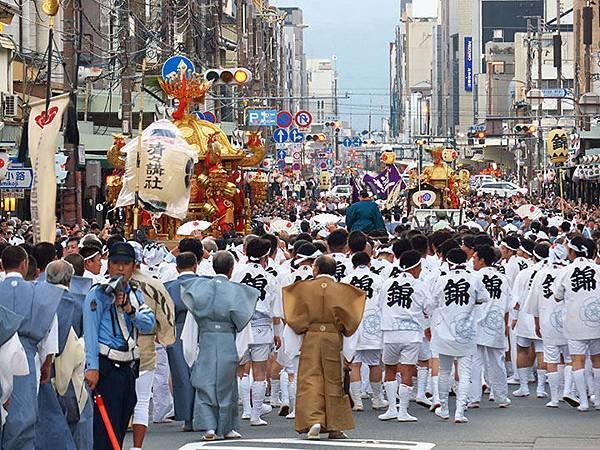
[
  {"x": 50, "y": 7},
  {"x": 557, "y": 144}
]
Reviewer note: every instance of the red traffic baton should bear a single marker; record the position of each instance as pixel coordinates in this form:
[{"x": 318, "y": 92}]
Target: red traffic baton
[{"x": 106, "y": 420}]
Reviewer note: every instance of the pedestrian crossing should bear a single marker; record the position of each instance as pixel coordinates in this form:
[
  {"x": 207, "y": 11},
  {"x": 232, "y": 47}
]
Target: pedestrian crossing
[{"x": 299, "y": 444}]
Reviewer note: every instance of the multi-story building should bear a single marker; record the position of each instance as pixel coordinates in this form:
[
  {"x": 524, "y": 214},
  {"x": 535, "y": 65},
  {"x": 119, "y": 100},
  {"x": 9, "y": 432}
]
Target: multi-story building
[
  {"x": 411, "y": 56},
  {"x": 294, "y": 60},
  {"x": 321, "y": 83}
]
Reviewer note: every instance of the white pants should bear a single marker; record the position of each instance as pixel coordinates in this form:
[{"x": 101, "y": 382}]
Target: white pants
[
  {"x": 464, "y": 374},
  {"x": 143, "y": 391},
  {"x": 162, "y": 398},
  {"x": 493, "y": 361}
]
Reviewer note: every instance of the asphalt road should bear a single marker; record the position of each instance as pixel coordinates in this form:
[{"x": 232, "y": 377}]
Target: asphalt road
[{"x": 527, "y": 424}]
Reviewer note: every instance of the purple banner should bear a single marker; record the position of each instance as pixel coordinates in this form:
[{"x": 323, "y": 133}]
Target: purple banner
[{"x": 382, "y": 184}]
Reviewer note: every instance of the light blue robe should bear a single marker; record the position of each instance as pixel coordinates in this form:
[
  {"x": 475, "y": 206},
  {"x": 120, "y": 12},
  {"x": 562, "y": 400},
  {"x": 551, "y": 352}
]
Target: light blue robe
[
  {"x": 36, "y": 303},
  {"x": 221, "y": 308},
  {"x": 9, "y": 325},
  {"x": 183, "y": 391}
]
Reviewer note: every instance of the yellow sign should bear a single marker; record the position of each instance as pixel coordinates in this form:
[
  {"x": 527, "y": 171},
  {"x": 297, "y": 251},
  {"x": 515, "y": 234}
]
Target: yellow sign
[{"x": 557, "y": 144}]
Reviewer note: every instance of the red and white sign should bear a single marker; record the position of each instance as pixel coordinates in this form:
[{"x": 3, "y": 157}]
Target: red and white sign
[
  {"x": 297, "y": 156},
  {"x": 303, "y": 119}
]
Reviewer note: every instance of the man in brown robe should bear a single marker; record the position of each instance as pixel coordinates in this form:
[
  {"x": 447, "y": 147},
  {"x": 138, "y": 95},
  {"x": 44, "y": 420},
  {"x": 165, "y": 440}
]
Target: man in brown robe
[{"x": 323, "y": 311}]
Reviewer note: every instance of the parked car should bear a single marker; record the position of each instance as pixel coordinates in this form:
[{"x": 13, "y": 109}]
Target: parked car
[
  {"x": 341, "y": 190},
  {"x": 501, "y": 189},
  {"x": 478, "y": 180}
]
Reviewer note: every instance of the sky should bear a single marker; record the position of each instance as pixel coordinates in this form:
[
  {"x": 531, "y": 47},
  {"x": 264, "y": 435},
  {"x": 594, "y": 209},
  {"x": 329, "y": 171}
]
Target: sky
[{"x": 358, "y": 34}]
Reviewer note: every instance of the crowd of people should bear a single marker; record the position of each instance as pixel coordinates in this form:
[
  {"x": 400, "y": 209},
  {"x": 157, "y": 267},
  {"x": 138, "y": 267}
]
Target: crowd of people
[{"x": 337, "y": 317}]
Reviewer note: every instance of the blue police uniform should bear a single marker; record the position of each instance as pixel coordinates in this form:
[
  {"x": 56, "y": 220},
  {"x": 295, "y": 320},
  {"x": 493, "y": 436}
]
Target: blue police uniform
[{"x": 111, "y": 348}]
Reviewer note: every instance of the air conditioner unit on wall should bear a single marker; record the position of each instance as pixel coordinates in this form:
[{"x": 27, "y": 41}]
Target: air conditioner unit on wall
[{"x": 9, "y": 104}]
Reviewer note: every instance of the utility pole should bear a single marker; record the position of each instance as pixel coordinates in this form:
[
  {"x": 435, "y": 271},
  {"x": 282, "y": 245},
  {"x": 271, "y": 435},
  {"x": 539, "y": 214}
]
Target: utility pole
[
  {"x": 528, "y": 85},
  {"x": 540, "y": 140},
  {"x": 558, "y": 58},
  {"x": 216, "y": 50},
  {"x": 126, "y": 68}
]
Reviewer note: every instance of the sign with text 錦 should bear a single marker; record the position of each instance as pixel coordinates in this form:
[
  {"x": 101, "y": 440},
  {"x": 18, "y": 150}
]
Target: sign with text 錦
[
  {"x": 261, "y": 117},
  {"x": 468, "y": 64}
]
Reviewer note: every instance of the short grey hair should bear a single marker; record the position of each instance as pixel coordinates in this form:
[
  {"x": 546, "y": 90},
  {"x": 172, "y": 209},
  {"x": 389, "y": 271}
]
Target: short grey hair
[
  {"x": 209, "y": 245},
  {"x": 60, "y": 272},
  {"x": 223, "y": 262}
]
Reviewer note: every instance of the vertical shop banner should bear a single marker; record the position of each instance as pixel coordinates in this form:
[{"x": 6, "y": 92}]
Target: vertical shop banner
[{"x": 468, "y": 64}]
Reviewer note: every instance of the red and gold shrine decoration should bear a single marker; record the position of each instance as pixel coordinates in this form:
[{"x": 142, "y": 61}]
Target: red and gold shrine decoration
[{"x": 557, "y": 145}]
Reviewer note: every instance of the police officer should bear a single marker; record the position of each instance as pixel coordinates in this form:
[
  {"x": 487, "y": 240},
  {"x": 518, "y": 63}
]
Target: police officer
[{"x": 113, "y": 313}]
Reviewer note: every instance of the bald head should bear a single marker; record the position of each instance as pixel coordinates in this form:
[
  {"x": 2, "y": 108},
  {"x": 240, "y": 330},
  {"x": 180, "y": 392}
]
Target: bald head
[
  {"x": 59, "y": 272},
  {"x": 325, "y": 265}
]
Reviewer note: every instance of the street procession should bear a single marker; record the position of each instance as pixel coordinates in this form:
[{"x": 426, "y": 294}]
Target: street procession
[{"x": 255, "y": 224}]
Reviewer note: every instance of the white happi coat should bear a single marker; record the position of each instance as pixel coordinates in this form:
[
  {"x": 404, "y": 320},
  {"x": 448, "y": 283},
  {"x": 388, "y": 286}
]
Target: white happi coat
[
  {"x": 343, "y": 265},
  {"x": 381, "y": 267},
  {"x": 521, "y": 288},
  {"x": 403, "y": 301},
  {"x": 453, "y": 324},
  {"x": 490, "y": 315},
  {"x": 578, "y": 285},
  {"x": 269, "y": 302},
  {"x": 512, "y": 267},
  {"x": 369, "y": 331},
  {"x": 541, "y": 303}
]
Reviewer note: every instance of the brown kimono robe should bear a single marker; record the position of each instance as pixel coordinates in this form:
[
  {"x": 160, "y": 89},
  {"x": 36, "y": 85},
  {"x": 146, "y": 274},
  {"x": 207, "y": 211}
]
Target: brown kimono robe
[{"x": 322, "y": 310}]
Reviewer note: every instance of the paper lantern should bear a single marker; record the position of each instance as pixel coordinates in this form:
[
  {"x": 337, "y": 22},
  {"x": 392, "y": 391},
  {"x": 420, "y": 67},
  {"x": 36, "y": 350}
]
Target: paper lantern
[
  {"x": 449, "y": 155},
  {"x": 164, "y": 177},
  {"x": 557, "y": 144}
]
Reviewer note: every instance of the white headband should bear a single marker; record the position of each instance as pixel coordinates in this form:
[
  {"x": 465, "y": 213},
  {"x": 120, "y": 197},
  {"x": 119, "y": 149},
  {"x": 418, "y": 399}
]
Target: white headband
[
  {"x": 406, "y": 269},
  {"x": 303, "y": 258},
  {"x": 255, "y": 259},
  {"x": 583, "y": 249},
  {"x": 91, "y": 256},
  {"x": 508, "y": 246}
]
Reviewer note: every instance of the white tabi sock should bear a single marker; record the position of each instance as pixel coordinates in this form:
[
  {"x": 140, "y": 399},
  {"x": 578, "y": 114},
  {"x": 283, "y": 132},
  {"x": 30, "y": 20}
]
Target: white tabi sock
[
  {"x": 435, "y": 387},
  {"x": 554, "y": 382},
  {"x": 292, "y": 394},
  {"x": 589, "y": 377},
  {"x": 579, "y": 379},
  {"x": 245, "y": 389},
  {"x": 596, "y": 388},
  {"x": 422, "y": 375},
  {"x": 568, "y": 381},
  {"x": 284, "y": 385},
  {"x": 275, "y": 390},
  {"x": 355, "y": 393},
  {"x": 561, "y": 383},
  {"x": 391, "y": 391},
  {"x": 524, "y": 378},
  {"x": 376, "y": 387},
  {"x": 258, "y": 397},
  {"x": 541, "y": 380}
]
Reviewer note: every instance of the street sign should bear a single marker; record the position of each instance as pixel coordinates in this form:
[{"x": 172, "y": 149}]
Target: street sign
[
  {"x": 174, "y": 63},
  {"x": 296, "y": 166},
  {"x": 338, "y": 162},
  {"x": 18, "y": 178},
  {"x": 555, "y": 93},
  {"x": 347, "y": 142},
  {"x": 328, "y": 150},
  {"x": 303, "y": 119},
  {"x": 281, "y": 163},
  {"x": 297, "y": 156},
  {"x": 99, "y": 207},
  {"x": 329, "y": 162},
  {"x": 210, "y": 117},
  {"x": 357, "y": 141},
  {"x": 281, "y": 154},
  {"x": 323, "y": 165},
  {"x": 199, "y": 115},
  {"x": 261, "y": 117},
  {"x": 296, "y": 136},
  {"x": 338, "y": 171},
  {"x": 284, "y": 119},
  {"x": 280, "y": 135}
]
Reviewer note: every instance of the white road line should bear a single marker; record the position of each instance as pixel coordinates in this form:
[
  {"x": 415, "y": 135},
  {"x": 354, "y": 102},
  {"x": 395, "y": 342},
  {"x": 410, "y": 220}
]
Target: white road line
[{"x": 300, "y": 444}]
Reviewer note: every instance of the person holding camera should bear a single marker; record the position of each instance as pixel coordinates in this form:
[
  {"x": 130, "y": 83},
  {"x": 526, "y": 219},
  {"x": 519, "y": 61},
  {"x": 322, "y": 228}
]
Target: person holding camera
[{"x": 113, "y": 314}]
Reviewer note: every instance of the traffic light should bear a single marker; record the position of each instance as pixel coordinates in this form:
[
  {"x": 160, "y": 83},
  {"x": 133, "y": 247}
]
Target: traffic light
[
  {"x": 234, "y": 76},
  {"x": 335, "y": 125},
  {"x": 524, "y": 128},
  {"x": 315, "y": 137},
  {"x": 480, "y": 136}
]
